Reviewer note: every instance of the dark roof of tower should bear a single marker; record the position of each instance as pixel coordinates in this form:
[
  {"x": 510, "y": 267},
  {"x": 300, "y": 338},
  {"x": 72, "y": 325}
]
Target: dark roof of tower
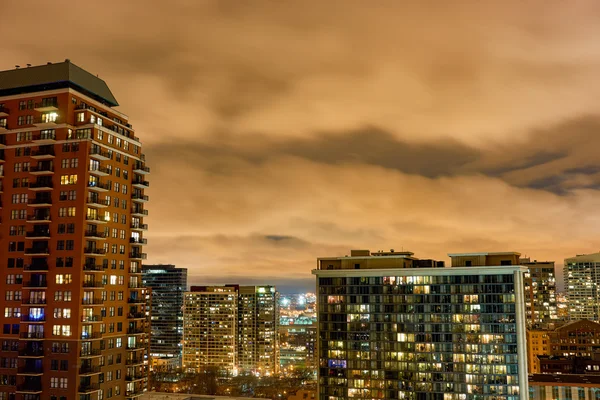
[{"x": 55, "y": 76}]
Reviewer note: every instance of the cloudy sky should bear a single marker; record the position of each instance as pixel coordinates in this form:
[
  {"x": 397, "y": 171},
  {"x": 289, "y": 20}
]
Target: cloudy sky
[{"x": 278, "y": 132}]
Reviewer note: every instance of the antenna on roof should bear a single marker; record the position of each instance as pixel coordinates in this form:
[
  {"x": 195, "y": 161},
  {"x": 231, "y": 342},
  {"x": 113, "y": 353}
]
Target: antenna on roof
[
  {"x": 28, "y": 65},
  {"x": 17, "y": 66},
  {"x": 48, "y": 63}
]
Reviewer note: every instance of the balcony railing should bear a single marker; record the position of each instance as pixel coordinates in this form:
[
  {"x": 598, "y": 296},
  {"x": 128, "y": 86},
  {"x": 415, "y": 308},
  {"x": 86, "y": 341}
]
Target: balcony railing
[
  {"x": 41, "y": 185},
  {"x": 31, "y": 353},
  {"x": 141, "y": 227},
  {"x": 92, "y": 335},
  {"x": 37, "y": 251},
  {"x": 95, "y": 234},
  {"x": 38, "y": 234},
  {"x": 141, "y": 169},
  {"x": 46, "y": 153},
  {"x": 33, "y": 301},
  {"x": 30, "y": 371},
  {"x": 50, "y": 104},
  {"x": 93, "y": 267},
  {"x": 136, "y": 315},
  {"x": 92, "y": 387},
  {"x": 90, "y": 353},
  {"x": 90, "y": 250},
  {"x": 93, "y": 284},
  {"x": 47, "y": 119},
  {"x": 140, "y": 241},
  {"x": 139, "y": 211},
  {"x": 35, "y": 284},
  {"x": 91, "y": 318},
  {"x": 33, "y": 318},
  {"x": 141, "y": 256},
  {"x": 29, "y": 388},
  {"x": 101, "y": 154},
  {"x": 31, "y": 335},
  {"x": 41, "y": 201},
  {"x": 134, "y": 361},
  {"x": 44, "y": 136},
  {"x": 92, "y": 369},
  {"x": 96, "y": 218},
  {"x": 133, "y": 331},
  {"x": 140, "y": 197},
  {"x": 36, "y": 267},
  {"x": 98, "y": 185},
  {"x": 91, "y": 302},
  {"x": 133, "y": 300},
  {"x": 41, "y": 169},
  {"x": 140, "y": 182},
  {"x": 135, "y": 377}
]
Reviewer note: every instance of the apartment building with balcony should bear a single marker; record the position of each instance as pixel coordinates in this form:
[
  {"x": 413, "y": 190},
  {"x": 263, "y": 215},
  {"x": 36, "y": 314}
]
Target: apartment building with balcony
[
  {"x": 392, "y": 326},
  {"x": 72, "y": 181},
  {"x": 582, "y": 281},
  {"x": 540, "y": 294}
]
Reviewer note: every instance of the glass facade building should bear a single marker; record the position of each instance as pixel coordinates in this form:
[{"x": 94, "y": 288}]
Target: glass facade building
[
  {"x": 168, "y": 285},
  {"x": 389, "y": 332}
]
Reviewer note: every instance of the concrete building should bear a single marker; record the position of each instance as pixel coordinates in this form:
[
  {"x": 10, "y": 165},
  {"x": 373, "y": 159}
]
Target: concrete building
[
  {"x": 564, "y": 387},
  {"x": 298, "y": 342},
  {"x": 395, "y": 327},
  {"x": 210, "y": 329},
  {"x": 258, "y": 330},
  {"x": 575, "y": 339},
  {"x": 168, "y": 285},
  {"x": 232, "y": 327},
  {"x": 582, "y": 278},
  {"x": 540, "y": 294},
  {"x": 72, "y": 181}
]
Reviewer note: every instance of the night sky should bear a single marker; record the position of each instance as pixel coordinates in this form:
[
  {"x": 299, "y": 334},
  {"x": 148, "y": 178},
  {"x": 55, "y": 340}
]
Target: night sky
[{"x": 278, "y": 132}]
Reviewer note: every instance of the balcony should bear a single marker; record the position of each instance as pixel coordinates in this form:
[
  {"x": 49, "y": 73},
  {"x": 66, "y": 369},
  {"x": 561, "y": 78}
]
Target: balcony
[
  {"x": 38, "y": 219},
  {"x": 134, "y": 393},
  {"x": 42, "y": 154},
  {"x": 89, "y": 370},
  {"x": 141, "y": 169},
  {"x": 46, "y": 106},
  {"x": 39, "y": 251},
  {"x": 40, "y": 202},
  {"x": 94, "y": 252},
  {"x": 135, "y": 377},
  {"x": 41, "y": 185},
  {"x": 135, "y": 347},
  {"x": 140, "y": 198},
  {"x": 95, "y": 219},
  {"x": 94, "y": 235},
  {"x": 140, "y": 184},
  {"x": 30, "y": 371},
  {"x": 91, "y": 336},
  {"x": 99, "y": 154},
  {"x": 41, "y": 170},
  {"x": 92, "y": 302},
  {"x": 134, "y": 361},
  {"x": 33, "y": 301},
  {"x": 4, "y": 112},
  {"x": 36, "y": 267},
  {"x": 2, "y": 141},
  {"x": 136, "y": 315},
  {"x": 133, "y": 270},
  {"x": 31, "y": 335},
  {"x": 29, "y": 388},
  {"x": 100, "y": 171},
  {"x": 35, "y": 284},
  {"x": 93, "y": 285},
  {"x": 38, "y": 234},
  {"x": 133, "y": 300},
  {"x": 98, "y": 186},
  {"x": 92, "y": 387},
  {"x": 33, "y": 318},
  {"x": 90, "y": 353},
  {"x": 30, "y": 353},
  {"x": 97, "y": 202},
  {"x": 139, "y": 227},
  {"x": 91, "y": 318},
  {"x": 48, "y": 120},
  {"x": 135, "y": 331},
  {"x": 44, "y": 137},
  {"x": 138, "y": 212},
  {"x": 137, "y": 256},
  {"x": 139, "y": 241},
  {"x": 93, "y": 268}
]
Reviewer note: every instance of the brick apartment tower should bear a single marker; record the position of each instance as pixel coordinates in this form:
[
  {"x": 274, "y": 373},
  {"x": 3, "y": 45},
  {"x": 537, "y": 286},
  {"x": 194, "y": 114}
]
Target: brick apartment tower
[{"x": 72, "y": 180}]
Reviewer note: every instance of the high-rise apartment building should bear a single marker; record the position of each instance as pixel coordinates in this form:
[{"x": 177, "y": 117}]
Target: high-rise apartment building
[
  {"x": 210, "y": 329},
  {"x": 258, "y": 327},
  {"x": 208, "y": 315},
  {"x": 72, "y": 180},
  {"x": 392, "y": 326},
  {"x": 168, "y": 285},
  {"x": 540, "y": 294},
  {"x": 582, "y": 277}
]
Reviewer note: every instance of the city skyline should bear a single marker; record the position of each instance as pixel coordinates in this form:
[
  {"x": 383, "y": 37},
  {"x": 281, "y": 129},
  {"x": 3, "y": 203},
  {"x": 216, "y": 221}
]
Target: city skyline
[{"x": 277, "y": 134}]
